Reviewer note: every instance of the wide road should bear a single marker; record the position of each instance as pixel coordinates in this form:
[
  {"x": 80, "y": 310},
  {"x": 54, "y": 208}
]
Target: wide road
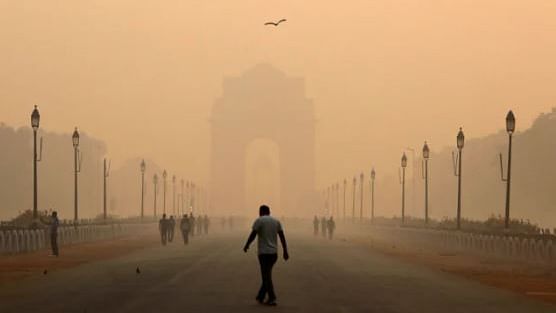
[{"x": 213, "y": 274}]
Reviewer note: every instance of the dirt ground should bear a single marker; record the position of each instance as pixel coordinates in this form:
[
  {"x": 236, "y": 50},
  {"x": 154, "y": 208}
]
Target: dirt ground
[
  {"x": 16, "y": 267},
  {"x": 536, "y": 281}
]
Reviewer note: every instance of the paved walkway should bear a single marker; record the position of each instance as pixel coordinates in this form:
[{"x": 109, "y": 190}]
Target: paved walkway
[{"x": 214, "y": 275}]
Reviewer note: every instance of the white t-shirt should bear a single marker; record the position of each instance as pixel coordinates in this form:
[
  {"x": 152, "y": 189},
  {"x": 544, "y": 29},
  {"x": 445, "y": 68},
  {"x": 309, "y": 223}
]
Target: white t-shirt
[{"x": 267, "y": 228}]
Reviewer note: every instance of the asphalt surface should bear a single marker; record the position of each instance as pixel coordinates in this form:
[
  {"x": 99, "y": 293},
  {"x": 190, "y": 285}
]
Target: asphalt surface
[{"x": 213, "y": 274}]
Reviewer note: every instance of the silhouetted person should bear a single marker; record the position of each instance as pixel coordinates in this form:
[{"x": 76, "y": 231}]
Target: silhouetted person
[
  {"x": 331, "y": 226},
  {"x": 53, "y": 225},
  {"x": 192, "y": 224},
  {"x": 267, "y": 229},
  {"x": 206, "y": 224},
  {"x": 163, "y": 228},
  {"x": 185, "y": 227},
  {"x": 323, "y": 224},
  {"x": 171, "y": 228},
  {"x": 316, "y": 226}
]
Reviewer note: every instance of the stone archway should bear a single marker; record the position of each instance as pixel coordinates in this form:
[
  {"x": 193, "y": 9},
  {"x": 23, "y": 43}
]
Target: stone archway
[{"x": 263, "y": 103}]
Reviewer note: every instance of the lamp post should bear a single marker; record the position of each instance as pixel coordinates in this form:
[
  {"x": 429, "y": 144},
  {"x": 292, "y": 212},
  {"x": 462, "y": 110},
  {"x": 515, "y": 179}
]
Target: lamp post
[
  {"x": 35, "y": 121},
  {"x": 413, "y": 176},
  {"x": 164, "y": 176},
  {"x": 337, "y": 200},
  {"x": 77, "y": 169},
  {"x": 510, "y": 128},
  {"x": 174, "y": 194},
  {"x": 143, "y": 167},
  {"x": 460, "y": 141},
  {"x": 373, "y": 175},
  {"x": 404, "y": 165},
  {"x": 187, "y": 197},
  {"x": 182, "y": 198},
  {"x": 361, "y": 181},
  {"x": 426, "y": 155},
  {"x": 353, "y": 207},
  {"x": 106, "y": 170},
  {"x": 155, "y": 183},
  {"x": 345, "y": 187},
  {"x": 327, "y": 203}
]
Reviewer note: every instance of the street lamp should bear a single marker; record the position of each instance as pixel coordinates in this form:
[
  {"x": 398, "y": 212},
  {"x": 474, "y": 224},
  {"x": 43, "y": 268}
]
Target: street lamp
[
  {"x": 460, "y": 141},
  {"x": 373, "y": 174},
  {"x": 404, "y": 165},
  {"x": 361, "y": 181},
  {"x": 143, "y": 167},
  {"x": 353, "y": 207},
  {"x": 337, "y": 200},
  {"x": 77, "y": 169},
  {"x": 174, "y": 194},
  {"x": 510, "y": 128},
  {"x": 164, "y": 176},
  {"x": 35, "y": 121},
  {"x": 345, "y": 187},
  {"x": 106, "y": 174},
  {"x": 155, "y": 183},
  {"x": 182, "y": 198},
  {"x": 426, "y": 156},
  {"x": 187, "y": 196}
]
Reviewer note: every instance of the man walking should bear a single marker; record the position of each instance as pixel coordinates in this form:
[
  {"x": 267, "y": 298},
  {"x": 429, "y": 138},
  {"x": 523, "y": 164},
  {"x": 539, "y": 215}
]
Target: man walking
[
  {"x": 267, "y": 229},
  {"x": 171, "y": 228},
  {"x": 316, "y": 226},
  {"x": 331, "y": 227},
  {"x": 184, "y": 226},
  {"x": 163, "y": 228}
]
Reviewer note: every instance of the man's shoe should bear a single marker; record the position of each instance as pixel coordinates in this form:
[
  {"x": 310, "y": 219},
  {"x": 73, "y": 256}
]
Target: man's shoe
[
  {"x": 271, "y": 302},
  {"x": 260, "y": 300}
]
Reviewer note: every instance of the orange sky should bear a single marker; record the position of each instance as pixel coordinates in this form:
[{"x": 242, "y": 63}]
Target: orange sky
[{"x": 143, "y": 75}]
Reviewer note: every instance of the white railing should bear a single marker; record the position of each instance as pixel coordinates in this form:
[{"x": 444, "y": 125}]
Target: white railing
[
  {"x": 21, "y": 241},
  {"x": 508, "y": 247}
]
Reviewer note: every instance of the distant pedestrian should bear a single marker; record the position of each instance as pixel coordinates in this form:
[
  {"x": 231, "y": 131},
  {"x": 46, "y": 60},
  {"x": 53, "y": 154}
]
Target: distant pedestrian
[
  {"x": 171, "y": 228},
  {"x": 54, "y": 223},
  {"x": 192, "y": 224},
  {"x": 184, "y": 227},
  {"x": 267, "y": 229},
  {"x": 316, "y": 226},
  {"x": 206, "y": 224},
  {"x": 163, "y": 228},
  {"x": 323, "y": 225},
  {"x": 331, "y": 226}
]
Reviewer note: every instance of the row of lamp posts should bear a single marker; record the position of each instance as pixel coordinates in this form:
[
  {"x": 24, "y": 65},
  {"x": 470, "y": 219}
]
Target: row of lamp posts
[
  {"x": 186, "y": 199},
  {"x": 457, "y": 164},
  {"x": 332, "y": 197},
  {"x": 37, "y": 156},
  {"x": 457, "y": 159}
]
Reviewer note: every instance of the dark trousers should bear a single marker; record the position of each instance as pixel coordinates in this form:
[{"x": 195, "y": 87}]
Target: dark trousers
[
  {"x": 171, "y": 235},
  {"x": 185, "y": 234},
  {"x": 267, "y": 261},
  {"x": 163, "y": 237},
  {"x": 54, "y": 243}
]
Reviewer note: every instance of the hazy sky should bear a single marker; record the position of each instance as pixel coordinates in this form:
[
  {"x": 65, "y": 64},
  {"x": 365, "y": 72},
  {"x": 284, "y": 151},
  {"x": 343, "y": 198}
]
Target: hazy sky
[{"x": 143, "y": 75}]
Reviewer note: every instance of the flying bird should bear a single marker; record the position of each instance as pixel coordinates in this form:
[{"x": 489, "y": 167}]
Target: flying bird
[{"x": 275, "y": 23}]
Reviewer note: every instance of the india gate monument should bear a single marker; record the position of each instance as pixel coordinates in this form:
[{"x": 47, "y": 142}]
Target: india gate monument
[{"x": 263, "y": 103}]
